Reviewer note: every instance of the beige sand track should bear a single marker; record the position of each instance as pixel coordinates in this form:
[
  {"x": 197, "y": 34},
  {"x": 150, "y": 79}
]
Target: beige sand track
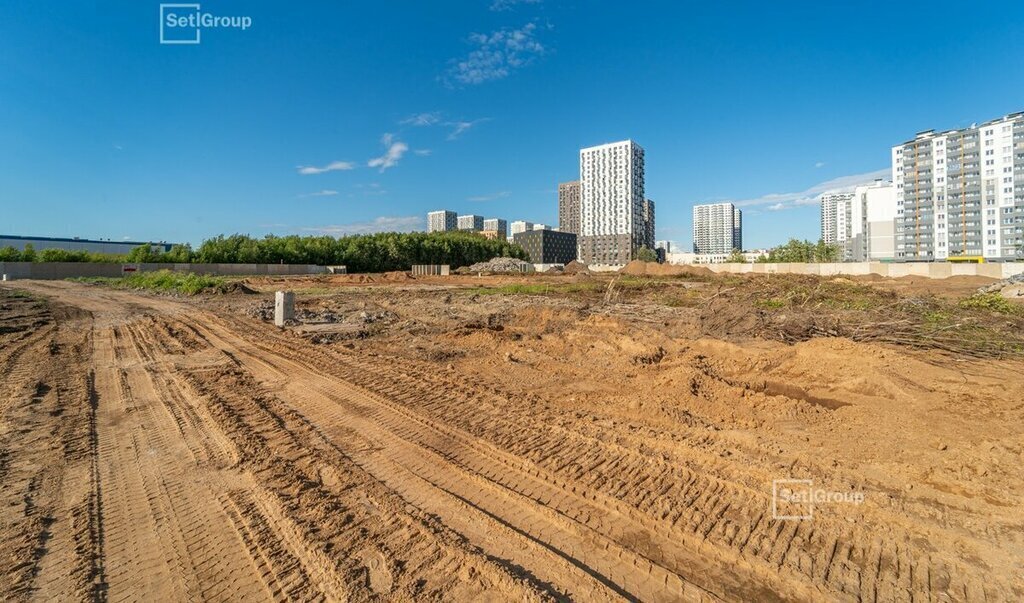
[{"x": 163, "y": 450}]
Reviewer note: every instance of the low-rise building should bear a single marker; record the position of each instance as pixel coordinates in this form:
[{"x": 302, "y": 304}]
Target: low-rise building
[
  {"x": 547, "y": 246},
  {"x": 77, "y": 244}
]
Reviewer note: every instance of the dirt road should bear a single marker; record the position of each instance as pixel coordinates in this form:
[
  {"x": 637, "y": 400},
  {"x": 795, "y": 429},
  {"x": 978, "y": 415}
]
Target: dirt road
[{"x": 159, "y": 449}]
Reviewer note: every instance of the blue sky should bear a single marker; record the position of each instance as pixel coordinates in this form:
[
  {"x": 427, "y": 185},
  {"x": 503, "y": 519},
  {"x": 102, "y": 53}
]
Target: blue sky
[{"x": 341, "y": 117}]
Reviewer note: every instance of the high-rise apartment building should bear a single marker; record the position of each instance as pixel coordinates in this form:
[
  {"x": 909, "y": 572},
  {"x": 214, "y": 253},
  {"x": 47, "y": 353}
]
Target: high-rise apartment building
[
  {"x": 471, "y": 222},
  {"x": 441, "y": 221},
  {"x": 872, "y": 235},
  {"x": 960, "y": 193},
  {"x": 612, "y": 215},
  {"x": 717, "y": 228},
  {"x": 498, "y": 225},
  {"x": 569, "y": 207},
  {"x": 648, "y": 224},
  {"x": 521, "y": 226},
  {"x": 835, "y": 217},
  {"x": 862, "y": 222}
]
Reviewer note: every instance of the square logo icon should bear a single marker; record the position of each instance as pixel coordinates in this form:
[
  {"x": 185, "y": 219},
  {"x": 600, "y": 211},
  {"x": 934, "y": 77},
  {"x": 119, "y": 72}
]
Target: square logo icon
[
  {"x": 179, "y": 24},
  {"x": 792, "y": 499}
]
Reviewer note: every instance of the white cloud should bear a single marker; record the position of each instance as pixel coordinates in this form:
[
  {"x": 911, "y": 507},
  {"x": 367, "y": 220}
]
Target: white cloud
[
  {"x": 461, "y": 127},
  {"x": 490, "y": 197},
  {"x": 380, "y": 224},
  {"x": 422, "y": 152},
  {"x": 322, "y": 193},
  {"x": 422, "y": 119},
  {"x": 496, "y": 55},
  {"x": 330, "y": 167},
  {"x": 395, "y": 150},
  {"x": 781, "y": 201},
  {"x": 500, "y": 5},
  {"x": 820, "y": 164}
]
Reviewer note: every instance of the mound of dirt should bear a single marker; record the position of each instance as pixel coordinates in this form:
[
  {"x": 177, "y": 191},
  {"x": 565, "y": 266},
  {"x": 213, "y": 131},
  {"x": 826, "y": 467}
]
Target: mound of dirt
[
  {"x": 576, "y": 267},
  {"x": 638, "y": 268},
  {"x": 238, "y": 287},
  {"x": 502, "y": 265}
]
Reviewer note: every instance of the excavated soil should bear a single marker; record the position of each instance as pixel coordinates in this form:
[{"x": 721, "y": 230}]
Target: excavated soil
[{"x": 454, "y": 440}]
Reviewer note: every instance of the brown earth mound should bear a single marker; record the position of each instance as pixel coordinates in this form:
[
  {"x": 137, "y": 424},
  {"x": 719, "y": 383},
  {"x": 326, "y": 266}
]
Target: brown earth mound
[{"x": 638, "y": 268}]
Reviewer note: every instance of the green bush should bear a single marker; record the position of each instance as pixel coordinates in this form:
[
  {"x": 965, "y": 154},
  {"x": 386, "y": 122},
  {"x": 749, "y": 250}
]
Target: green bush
[
  {"x": 992, "y": 302},
  {"x": 163, "y": 281}
]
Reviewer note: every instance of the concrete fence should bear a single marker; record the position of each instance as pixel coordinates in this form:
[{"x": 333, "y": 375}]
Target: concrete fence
[
  {"x": 430, "y": 269},
  {"x": 62, "y": 270},
  {"x": 922, "y": 269}
]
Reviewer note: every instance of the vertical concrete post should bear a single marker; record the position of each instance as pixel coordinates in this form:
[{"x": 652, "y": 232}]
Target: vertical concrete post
[
  {"x": 284, "y": 307},
  {"x": 5, "y": 277}
]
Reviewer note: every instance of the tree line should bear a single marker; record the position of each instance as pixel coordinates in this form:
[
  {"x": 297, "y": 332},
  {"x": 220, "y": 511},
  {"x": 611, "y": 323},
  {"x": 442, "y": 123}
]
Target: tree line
[{"x": 379, "y": 252}]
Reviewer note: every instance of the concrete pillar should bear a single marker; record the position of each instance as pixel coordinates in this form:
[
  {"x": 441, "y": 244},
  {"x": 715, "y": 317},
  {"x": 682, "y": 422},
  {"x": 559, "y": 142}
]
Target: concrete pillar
[
  {"x": 284, "y": 307},
  {"x": 5, "y": 277}
]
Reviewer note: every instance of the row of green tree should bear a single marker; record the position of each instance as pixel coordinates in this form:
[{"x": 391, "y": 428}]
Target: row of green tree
[
  {"x": 379, "y": 252},
  {"x": 142, "y": 253},
  {"x": 794, "y": 251}
]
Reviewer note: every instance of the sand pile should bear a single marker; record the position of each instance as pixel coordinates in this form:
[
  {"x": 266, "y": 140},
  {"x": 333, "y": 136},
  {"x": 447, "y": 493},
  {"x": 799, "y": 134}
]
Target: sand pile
[{"x": 638, "y": 268}]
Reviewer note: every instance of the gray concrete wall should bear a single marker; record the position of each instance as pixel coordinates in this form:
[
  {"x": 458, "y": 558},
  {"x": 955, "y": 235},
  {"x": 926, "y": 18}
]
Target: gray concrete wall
[
  {"x": 62, "y": 270},
  {"x": 937, "y": 270}
]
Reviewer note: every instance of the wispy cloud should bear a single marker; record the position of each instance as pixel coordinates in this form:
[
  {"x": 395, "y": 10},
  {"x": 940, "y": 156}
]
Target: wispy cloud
[
  {"x": 322, "y": 193},
  {"x": 782, "y": 201},
  {"x": 422, "y": 119},
  {"x": 380, "y": 224},
  {"x": 820, "y": 164},
  {"x": 500, "y": 5},
  {"x": 307, "y": 170},
  {"x": 422, "y": 152},
  {"x": 490, "y": 197},
  {"x": 458, "y": 128},
  {"x": 390, "y": 158},
  {"x": 496, "y": 55}
]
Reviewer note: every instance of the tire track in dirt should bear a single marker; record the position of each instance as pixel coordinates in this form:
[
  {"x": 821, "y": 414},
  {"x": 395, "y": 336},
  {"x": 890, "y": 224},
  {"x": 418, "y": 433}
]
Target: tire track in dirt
[
  {"x": 500, "y": 492},
  {"x": 832, "y": 556}
]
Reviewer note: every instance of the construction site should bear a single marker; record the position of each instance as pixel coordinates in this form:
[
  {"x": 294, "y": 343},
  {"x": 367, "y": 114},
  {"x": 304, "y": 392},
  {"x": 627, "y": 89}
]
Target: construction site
[{"x": 596, "y": 437}]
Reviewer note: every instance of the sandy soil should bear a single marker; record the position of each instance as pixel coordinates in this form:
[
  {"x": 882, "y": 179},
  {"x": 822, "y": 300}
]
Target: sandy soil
[{"x": 417, "y": 440}]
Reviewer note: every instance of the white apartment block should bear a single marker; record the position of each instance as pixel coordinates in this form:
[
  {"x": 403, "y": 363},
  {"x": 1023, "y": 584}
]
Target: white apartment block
[
  {"x": 497, "y": 225},
  {"x": 960, "y": 193},
  {"x": 441, "y": 221},
  {"x": 613, "y": 213},
  {"x": 717, "y": 228},
  {"x": 521, "y": 226},
  {"x": 872, "y": 234},
  {"x": 835, "y": 217},
  {"x": 471, "y": 222}
]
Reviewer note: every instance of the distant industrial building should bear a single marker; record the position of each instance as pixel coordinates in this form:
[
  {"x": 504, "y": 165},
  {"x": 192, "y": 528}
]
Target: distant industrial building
[
  {"x": 615, "y": 216},
  {"x": 442, "y": 221},
  {"x": 471, "y": 222},
  {"x": 498, "y": 225},
  {"x": 521, "y": 226},
  {"x": 76, "y": 244},
  {"x": 569, "y": 207},
  {"x": 547, "y": 246},
  {"x": 717, "y": 228},
  {"x": 960, "y": 193}
]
